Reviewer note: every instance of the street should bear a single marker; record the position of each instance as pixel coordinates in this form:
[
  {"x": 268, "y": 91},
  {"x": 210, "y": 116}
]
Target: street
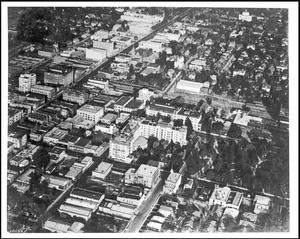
[{"x": 143, "y": 211}]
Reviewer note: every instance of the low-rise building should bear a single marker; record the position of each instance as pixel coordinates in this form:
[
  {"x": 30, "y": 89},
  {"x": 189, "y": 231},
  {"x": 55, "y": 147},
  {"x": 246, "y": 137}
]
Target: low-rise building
[
  {"x": 76, "y": 96},
  {"x": 117, "y": 209},
  {"x": 77, "y": 211},
  {"x": 130, "y": 199},
  {"x": 54, "y": 135},
  {"x": 56, "y": 226},
  {"x": 57, "y": 154},
  {"x": 262, "y": 204},
  {"x": 145, "y": 174},
  {"x": 119, "y": 105},
  {"x": 87, "y": 195},
  {"x": 59, "y": 74},
  {"x": 220, "y": 196},
  {"x": 57, "y": 182},
  {"x": 234, "y": 200},
  {"x": 43, "y": 90},
  {"x": 189, "y": 86},
  {"x": 102, "y": 170},
  {"x": 166, "y": 211}
]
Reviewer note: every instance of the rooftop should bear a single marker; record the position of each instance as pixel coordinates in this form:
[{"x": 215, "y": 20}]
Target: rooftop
[
  {"x": 173, "y": 177},
  {"x": 234, "y": 198},
  {"x": 221, "y": 194},
  {"x": 57, "y": 150},
  {"x": 103, "y": 167},
  {"x": 123, "y": 100},
  {"x": 90, "y": 108},
  {"x": 134, "y": 104},
  {"x": 86, "y": 193},
  {"x": 146, "y": 170}
]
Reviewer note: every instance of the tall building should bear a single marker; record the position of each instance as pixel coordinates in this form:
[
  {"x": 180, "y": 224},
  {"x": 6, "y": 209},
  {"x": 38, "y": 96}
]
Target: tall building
[
  {"x": 172, "y": 183},
  {"x": 165, "y": 131},
  {"x": 123, "y": 144},
  {"x": 76, "y": 96},
  {"x": 145, "y": 174},
  {"x": 91, "y": 112},
  {"x": 26, "y": 81},
  {"x": 106, "y": 45},
  {"x": 59, "y": 74},
  {"x": 95, "y": 54}
]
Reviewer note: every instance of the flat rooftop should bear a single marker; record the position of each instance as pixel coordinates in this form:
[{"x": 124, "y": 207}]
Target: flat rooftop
[
  {"x": 123, "y": 100},
  {"x": 134, "y": 104}
]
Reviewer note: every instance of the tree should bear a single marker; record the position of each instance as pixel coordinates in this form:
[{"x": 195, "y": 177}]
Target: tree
[
  {"x": 34, "y": 25},
  {"x": 217, "y": 127},
  {"x": 234, "y": 131}
]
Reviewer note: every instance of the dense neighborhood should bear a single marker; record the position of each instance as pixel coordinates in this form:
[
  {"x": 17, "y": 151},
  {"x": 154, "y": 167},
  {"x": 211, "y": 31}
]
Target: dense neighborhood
[{"x": 148, "y": 119}]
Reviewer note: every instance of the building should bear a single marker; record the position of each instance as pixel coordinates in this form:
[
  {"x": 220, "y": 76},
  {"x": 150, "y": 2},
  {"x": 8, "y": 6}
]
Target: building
[
  {"x": 82, "y": 203},
  {"x": 77, "y": 211},
  {"x": 38, "y": 118},
  {"x": 102, "y": 170},
  {"x": 59, "y": 74},
  {"x": 189, "y": 86},
  {"x": 119, "y": 105},
  {"x": 133, "y": 105},
  {"x": 172, "y": 183},
  {"x": 163, "y": 110},
  {"x": 262, "y": 204},
  {"x": 54, "y": 135},
  {"x": 154, "y": 225},
  {"x": 122, "y": 145},
  {"x": 194, "y": 116},
  {"x": 18, "y": 139},
  {"x": 165, "y": 131},
  {"x": 95, "y": 54},
  {"x": 145, "y": 174},
  {"x": 99, "y": 83},
  {"x": 99, "y": 35},
  {"x": 130, "y": 199},
  {"x": 90, "y": 112},
  {"x": 145, "y": 95},
  {"x": 43, "y": 90},
  {"x": 14, "y": 114},
  {"x": 117, "y": 209},
  {"x": 57, "y": 182},
  {"x": 76, "y": 96},
  {"x": 219, "y": 196},
  {"x": 166, "y": 211},
  {"x": 106, "y": 45},
  {"x": 87, "y": 195},
  {"x": 26, "y": 81},
  {"x": 109, "y": 118},
  {"x": 234, "y": 200},
  {"x": 154, "y": 45},
  {"x": 56, "y": 226},
  {"x": 57, "y": 154},
  {"x": 106, "y": 128},
  {"x": 245, "y": 16},
  {"x": 132, "y": 16},
  {"x": 243, "y": 119}
]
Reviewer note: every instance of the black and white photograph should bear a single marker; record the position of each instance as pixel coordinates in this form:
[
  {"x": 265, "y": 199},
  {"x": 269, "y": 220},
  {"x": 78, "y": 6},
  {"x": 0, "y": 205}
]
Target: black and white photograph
[{"x": 133, "y": 119}]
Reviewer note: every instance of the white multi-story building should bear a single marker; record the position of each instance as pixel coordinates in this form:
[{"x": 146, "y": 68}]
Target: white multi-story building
[
  {"x": 145, "y": 174},
  {"x": 90, "y": 112},
  {"x": 172, "y": 183},
  {"x": 106, "y": 45},
  {"x": 43, "y": 90},
  {"x": 95, "y": 54},
  {"x": 26, "y": 81},
  {"x": 123, "y": 144},
  {"x": 165, "y": 131}
]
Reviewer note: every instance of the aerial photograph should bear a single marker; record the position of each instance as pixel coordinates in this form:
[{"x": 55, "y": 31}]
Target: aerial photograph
[{"x": 147, "y": 119}]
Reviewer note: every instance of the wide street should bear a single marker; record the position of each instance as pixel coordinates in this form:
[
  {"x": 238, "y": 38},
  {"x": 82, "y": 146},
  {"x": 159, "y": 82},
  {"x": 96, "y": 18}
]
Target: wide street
[{"x": 143, "y": 211}]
